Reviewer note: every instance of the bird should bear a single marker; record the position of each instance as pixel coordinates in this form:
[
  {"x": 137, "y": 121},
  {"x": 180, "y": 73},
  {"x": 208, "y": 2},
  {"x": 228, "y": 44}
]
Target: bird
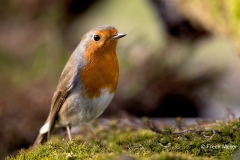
[{"x": 87, "y": 83}]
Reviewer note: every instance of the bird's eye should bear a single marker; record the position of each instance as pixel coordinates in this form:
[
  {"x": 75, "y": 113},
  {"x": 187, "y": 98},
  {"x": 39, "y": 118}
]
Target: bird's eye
[{"x": 96, "y": 37}]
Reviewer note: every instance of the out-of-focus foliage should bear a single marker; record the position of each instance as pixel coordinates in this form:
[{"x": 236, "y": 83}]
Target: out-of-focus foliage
[{"x": 219, "y": 17}]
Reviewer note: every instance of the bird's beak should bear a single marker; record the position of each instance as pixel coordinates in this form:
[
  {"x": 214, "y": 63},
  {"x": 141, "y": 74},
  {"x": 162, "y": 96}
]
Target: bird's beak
[{"x": 119, "y": 35}]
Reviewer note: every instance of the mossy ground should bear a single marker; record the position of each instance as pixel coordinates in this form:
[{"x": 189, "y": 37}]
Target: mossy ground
[{"x": 118, "y": 140}]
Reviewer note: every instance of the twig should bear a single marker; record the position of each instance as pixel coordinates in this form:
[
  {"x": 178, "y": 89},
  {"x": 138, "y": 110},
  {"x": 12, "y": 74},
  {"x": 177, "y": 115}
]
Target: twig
[{"x": 153, "y": 127}]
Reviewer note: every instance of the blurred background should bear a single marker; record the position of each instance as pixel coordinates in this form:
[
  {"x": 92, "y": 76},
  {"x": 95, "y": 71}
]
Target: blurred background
[{"x": 179, "y": 58}]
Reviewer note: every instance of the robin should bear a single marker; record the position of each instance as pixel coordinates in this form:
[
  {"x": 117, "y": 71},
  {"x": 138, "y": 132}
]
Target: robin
[{"x": 87, "y": 83}]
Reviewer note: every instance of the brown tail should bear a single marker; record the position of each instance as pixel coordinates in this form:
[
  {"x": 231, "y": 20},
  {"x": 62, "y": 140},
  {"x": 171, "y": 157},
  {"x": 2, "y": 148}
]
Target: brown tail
[
  {"x": 41, "y": 139},
  {"x": 43, "y": 136}
]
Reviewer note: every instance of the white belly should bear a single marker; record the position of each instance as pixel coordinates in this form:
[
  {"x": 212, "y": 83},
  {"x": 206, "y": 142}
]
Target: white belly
[{"x": 77, "y": 110}]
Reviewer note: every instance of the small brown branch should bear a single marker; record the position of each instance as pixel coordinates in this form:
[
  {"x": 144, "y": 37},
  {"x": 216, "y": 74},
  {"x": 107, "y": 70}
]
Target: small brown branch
[{"x": 153, "y": 127}]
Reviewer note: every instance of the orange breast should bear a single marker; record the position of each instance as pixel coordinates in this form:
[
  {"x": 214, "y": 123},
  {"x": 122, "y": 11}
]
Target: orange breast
[{"x": 101, "y": 71}]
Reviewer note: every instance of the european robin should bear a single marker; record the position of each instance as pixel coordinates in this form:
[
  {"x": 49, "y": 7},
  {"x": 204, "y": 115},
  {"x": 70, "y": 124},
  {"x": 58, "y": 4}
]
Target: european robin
[{"x": 87, "y": 83}]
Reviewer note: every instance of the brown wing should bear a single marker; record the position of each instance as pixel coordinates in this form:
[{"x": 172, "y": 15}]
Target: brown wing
[{"x": 65, "y": 85}]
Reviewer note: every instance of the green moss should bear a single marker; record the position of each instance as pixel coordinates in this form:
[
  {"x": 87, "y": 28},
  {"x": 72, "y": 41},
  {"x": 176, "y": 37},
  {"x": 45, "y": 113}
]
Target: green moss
[{"x": 219, "y": 142}]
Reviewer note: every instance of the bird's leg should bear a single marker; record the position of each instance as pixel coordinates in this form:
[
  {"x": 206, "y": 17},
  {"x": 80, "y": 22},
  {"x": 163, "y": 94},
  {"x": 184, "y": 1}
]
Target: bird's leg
[
  {"x": 69, "y": 132},
  {"x": 89, "y": 128}
]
